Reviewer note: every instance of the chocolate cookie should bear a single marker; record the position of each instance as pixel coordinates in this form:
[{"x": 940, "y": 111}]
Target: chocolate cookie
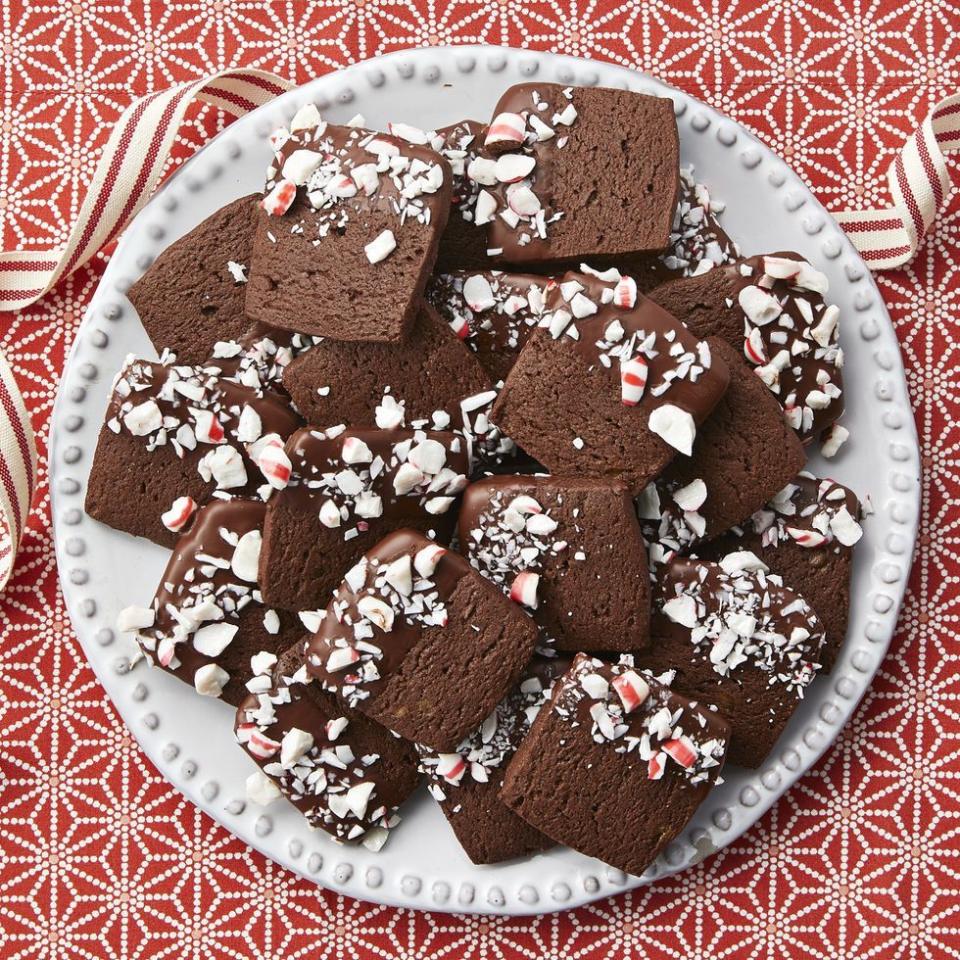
[
  {"x": 615, "y": 764},
  {"x": 429, "y": 371},
  {"x": 343, "y": 772},
  {"x": 346, "y": 490},
  {"x": 174, "y": 434},
  {"x": 567, "y": 549},
  {"x": 260, "y": 357},
  {"x": 467, "y": 782},
  {"x": 698, "y": 242},
  {"x": 207, "y": 618},
  {"x": 562, "y": 180},
  {"x": 348, "y": 232},
  {"x": 193, "y": 294},
  {"x": 772, "y": 309},
  {"x": 806, "y": 535},
  {"x": 418, "y": 641},
  {"x": 610, "y": 384},
  {"x": 739, "y": 640},
  {"x": 463, "y": 244},
  {"x": 493, "y": 312},
  {"x": 744, "y": 453}
]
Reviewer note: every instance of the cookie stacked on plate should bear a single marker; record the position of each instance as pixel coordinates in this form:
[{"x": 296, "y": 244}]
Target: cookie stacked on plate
[{"x": 480, "y": 452}]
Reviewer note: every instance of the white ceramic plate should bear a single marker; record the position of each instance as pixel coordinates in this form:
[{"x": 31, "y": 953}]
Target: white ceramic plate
[{"x": 190, "y": 738}]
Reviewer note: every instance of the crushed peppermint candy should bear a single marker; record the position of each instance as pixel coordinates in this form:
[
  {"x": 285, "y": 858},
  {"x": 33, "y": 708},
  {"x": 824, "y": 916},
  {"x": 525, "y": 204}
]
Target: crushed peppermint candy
[
  {"x": 636, "y": 714},
  {"x": 308, "y": 753},
  {"x": 339, "y": 175},
  {"x": 738, "y": 616}
]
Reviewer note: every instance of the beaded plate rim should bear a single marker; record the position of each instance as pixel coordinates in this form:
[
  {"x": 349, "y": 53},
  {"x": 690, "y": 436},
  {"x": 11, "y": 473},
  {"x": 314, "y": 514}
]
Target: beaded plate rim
[{"x": 562, "y": 879}]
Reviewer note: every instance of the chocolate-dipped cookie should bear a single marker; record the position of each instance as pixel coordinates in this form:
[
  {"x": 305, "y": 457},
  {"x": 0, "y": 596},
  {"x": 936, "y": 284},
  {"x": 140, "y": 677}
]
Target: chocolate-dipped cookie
[
  {"x": 744, "y": 453},
  {"x": 772, "y": 309},
  {"x": 615, "y": 764},
  {"x": 610, "y": 384},
  {"x": 466, "y": 783},
  {"x": 806, "y": 535},
  {"x": 348, "y": 231},
  {"x": 463, "y": 244},
  {"x": 343, "y": 772},
  {"x": 346, "y": 489},
  {"x": 417, "y": 640},
  {"x": 174, "y": 434},
  {"x": 698, "y": 241},
  {"x": 738, "y": 639},
  {"x": 569, "y": 550},
  {"x": 562, "y": 181},
  {"x": 492, "y": 311},
  {"x": 207, "y": 618},
  {"x": 193, "y": 294}
]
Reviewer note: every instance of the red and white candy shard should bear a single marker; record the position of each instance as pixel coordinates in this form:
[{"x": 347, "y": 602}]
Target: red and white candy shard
[
  {"x": 451, "y": 766},
  {"x": 655, "y": 766},
  {"x": 683, "y": 751},
  {"x": 522, "y": 200},
  {"x": 523, "y": 590},
  {"x": 506, "y": 128},
  {"x": 341, "y": 658},
  {"x": 675, "y": 426},
  {"x": 208, "y": 428},
  {"x": 426, "y": 560},
  {"x": 181, "y": 510},
  {"x": 260, "y": 745},
  {"x": 513, "y": 167},
  {"x": 632, "y": 690},
  {"x": 275, "y": 465},
  {"x": 753, "y": 347},
  {"x": 625, "y": 293},
  {"x": 760, "y": 307},
  {"x": 478, "y": 293},
  {"x": 279, "y": 200},
  {"x": 807, "y": 538},
  {"x": 633, "y": 380}
]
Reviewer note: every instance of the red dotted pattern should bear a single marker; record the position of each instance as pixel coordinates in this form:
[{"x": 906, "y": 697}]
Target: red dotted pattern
[{"x": 100, "y": 858}]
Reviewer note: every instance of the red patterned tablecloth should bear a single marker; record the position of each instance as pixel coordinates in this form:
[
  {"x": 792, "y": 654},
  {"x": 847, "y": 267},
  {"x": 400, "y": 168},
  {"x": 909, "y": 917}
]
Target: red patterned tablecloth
[{"x": 100, "y": 858}]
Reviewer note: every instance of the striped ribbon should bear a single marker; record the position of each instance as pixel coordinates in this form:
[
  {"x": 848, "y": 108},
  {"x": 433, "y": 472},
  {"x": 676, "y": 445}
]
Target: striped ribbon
[
  {"x": 18, "y": 470},
  {"x": 137, "y": 151},
  {"x": 920, "y": 185}
]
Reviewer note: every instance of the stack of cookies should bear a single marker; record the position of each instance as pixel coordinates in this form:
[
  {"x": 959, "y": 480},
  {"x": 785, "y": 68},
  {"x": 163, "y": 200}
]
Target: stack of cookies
[{"x": 480, "y": 452}]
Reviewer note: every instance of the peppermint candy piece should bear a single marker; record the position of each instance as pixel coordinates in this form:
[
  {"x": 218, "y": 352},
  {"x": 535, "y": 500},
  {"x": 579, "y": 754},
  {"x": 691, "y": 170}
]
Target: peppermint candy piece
[
  {"x": 632, "y": 690},
  {"x": 506, "y": 129},
  {"x": 210, "y": 680},
  {"x": 633, "y": 380},
  {"x": 275, "y": 465},
  {"x": 381, "y": 246},
  {"x": 279, "y": 200},
  {"x": 523, "y": 590},
  {"x": 674, "y": 426},
  {"x": 181, "y": 510}
]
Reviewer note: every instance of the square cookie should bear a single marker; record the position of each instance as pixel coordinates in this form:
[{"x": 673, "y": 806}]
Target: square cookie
[
  {"x": 346, "y": 489},
  {"x": 738, "y": 639},
  {"x": 343, "y": 772},
  {"x": 569, "y": 550},
  {"x": 193, "y": 294},
  {"x": 348, "y": 231},
  {"x": 418, "y": 641},
  {"x": 610, "y": 385},
  {"x": 744, "y": 453},
  {"x": 616, "y": 763},
  {"x": 806, "y": 534},
  {"x": 771, "y": 308},
  {"x": 466, "y": 783},
  {"x": 493, "y": 312},
  {"x": 207, "y": 618},
  {"x": 173, "y": 435},
  {"x": 563, "y": 181}
]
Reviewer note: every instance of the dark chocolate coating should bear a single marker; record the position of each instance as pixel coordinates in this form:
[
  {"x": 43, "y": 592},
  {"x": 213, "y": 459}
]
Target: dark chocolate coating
[{"x": 473, "y": 639}]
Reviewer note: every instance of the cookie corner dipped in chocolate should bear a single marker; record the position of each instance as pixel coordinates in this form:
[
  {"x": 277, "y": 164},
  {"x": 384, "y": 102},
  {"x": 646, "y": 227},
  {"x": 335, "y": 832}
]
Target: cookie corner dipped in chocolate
[
  {"x": 616, "y": 763},
  {"x": 569, "y": 549},
  {"x": 412, "y": 627},
  {"x": 348, "y": 231},
  {"x": 610, "y": 384},
  {"x": 564, "y": 182}
]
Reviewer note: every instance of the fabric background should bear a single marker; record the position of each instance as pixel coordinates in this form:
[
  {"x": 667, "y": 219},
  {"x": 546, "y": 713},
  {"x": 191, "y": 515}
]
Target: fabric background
[{"x": 100, "y": 858}]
